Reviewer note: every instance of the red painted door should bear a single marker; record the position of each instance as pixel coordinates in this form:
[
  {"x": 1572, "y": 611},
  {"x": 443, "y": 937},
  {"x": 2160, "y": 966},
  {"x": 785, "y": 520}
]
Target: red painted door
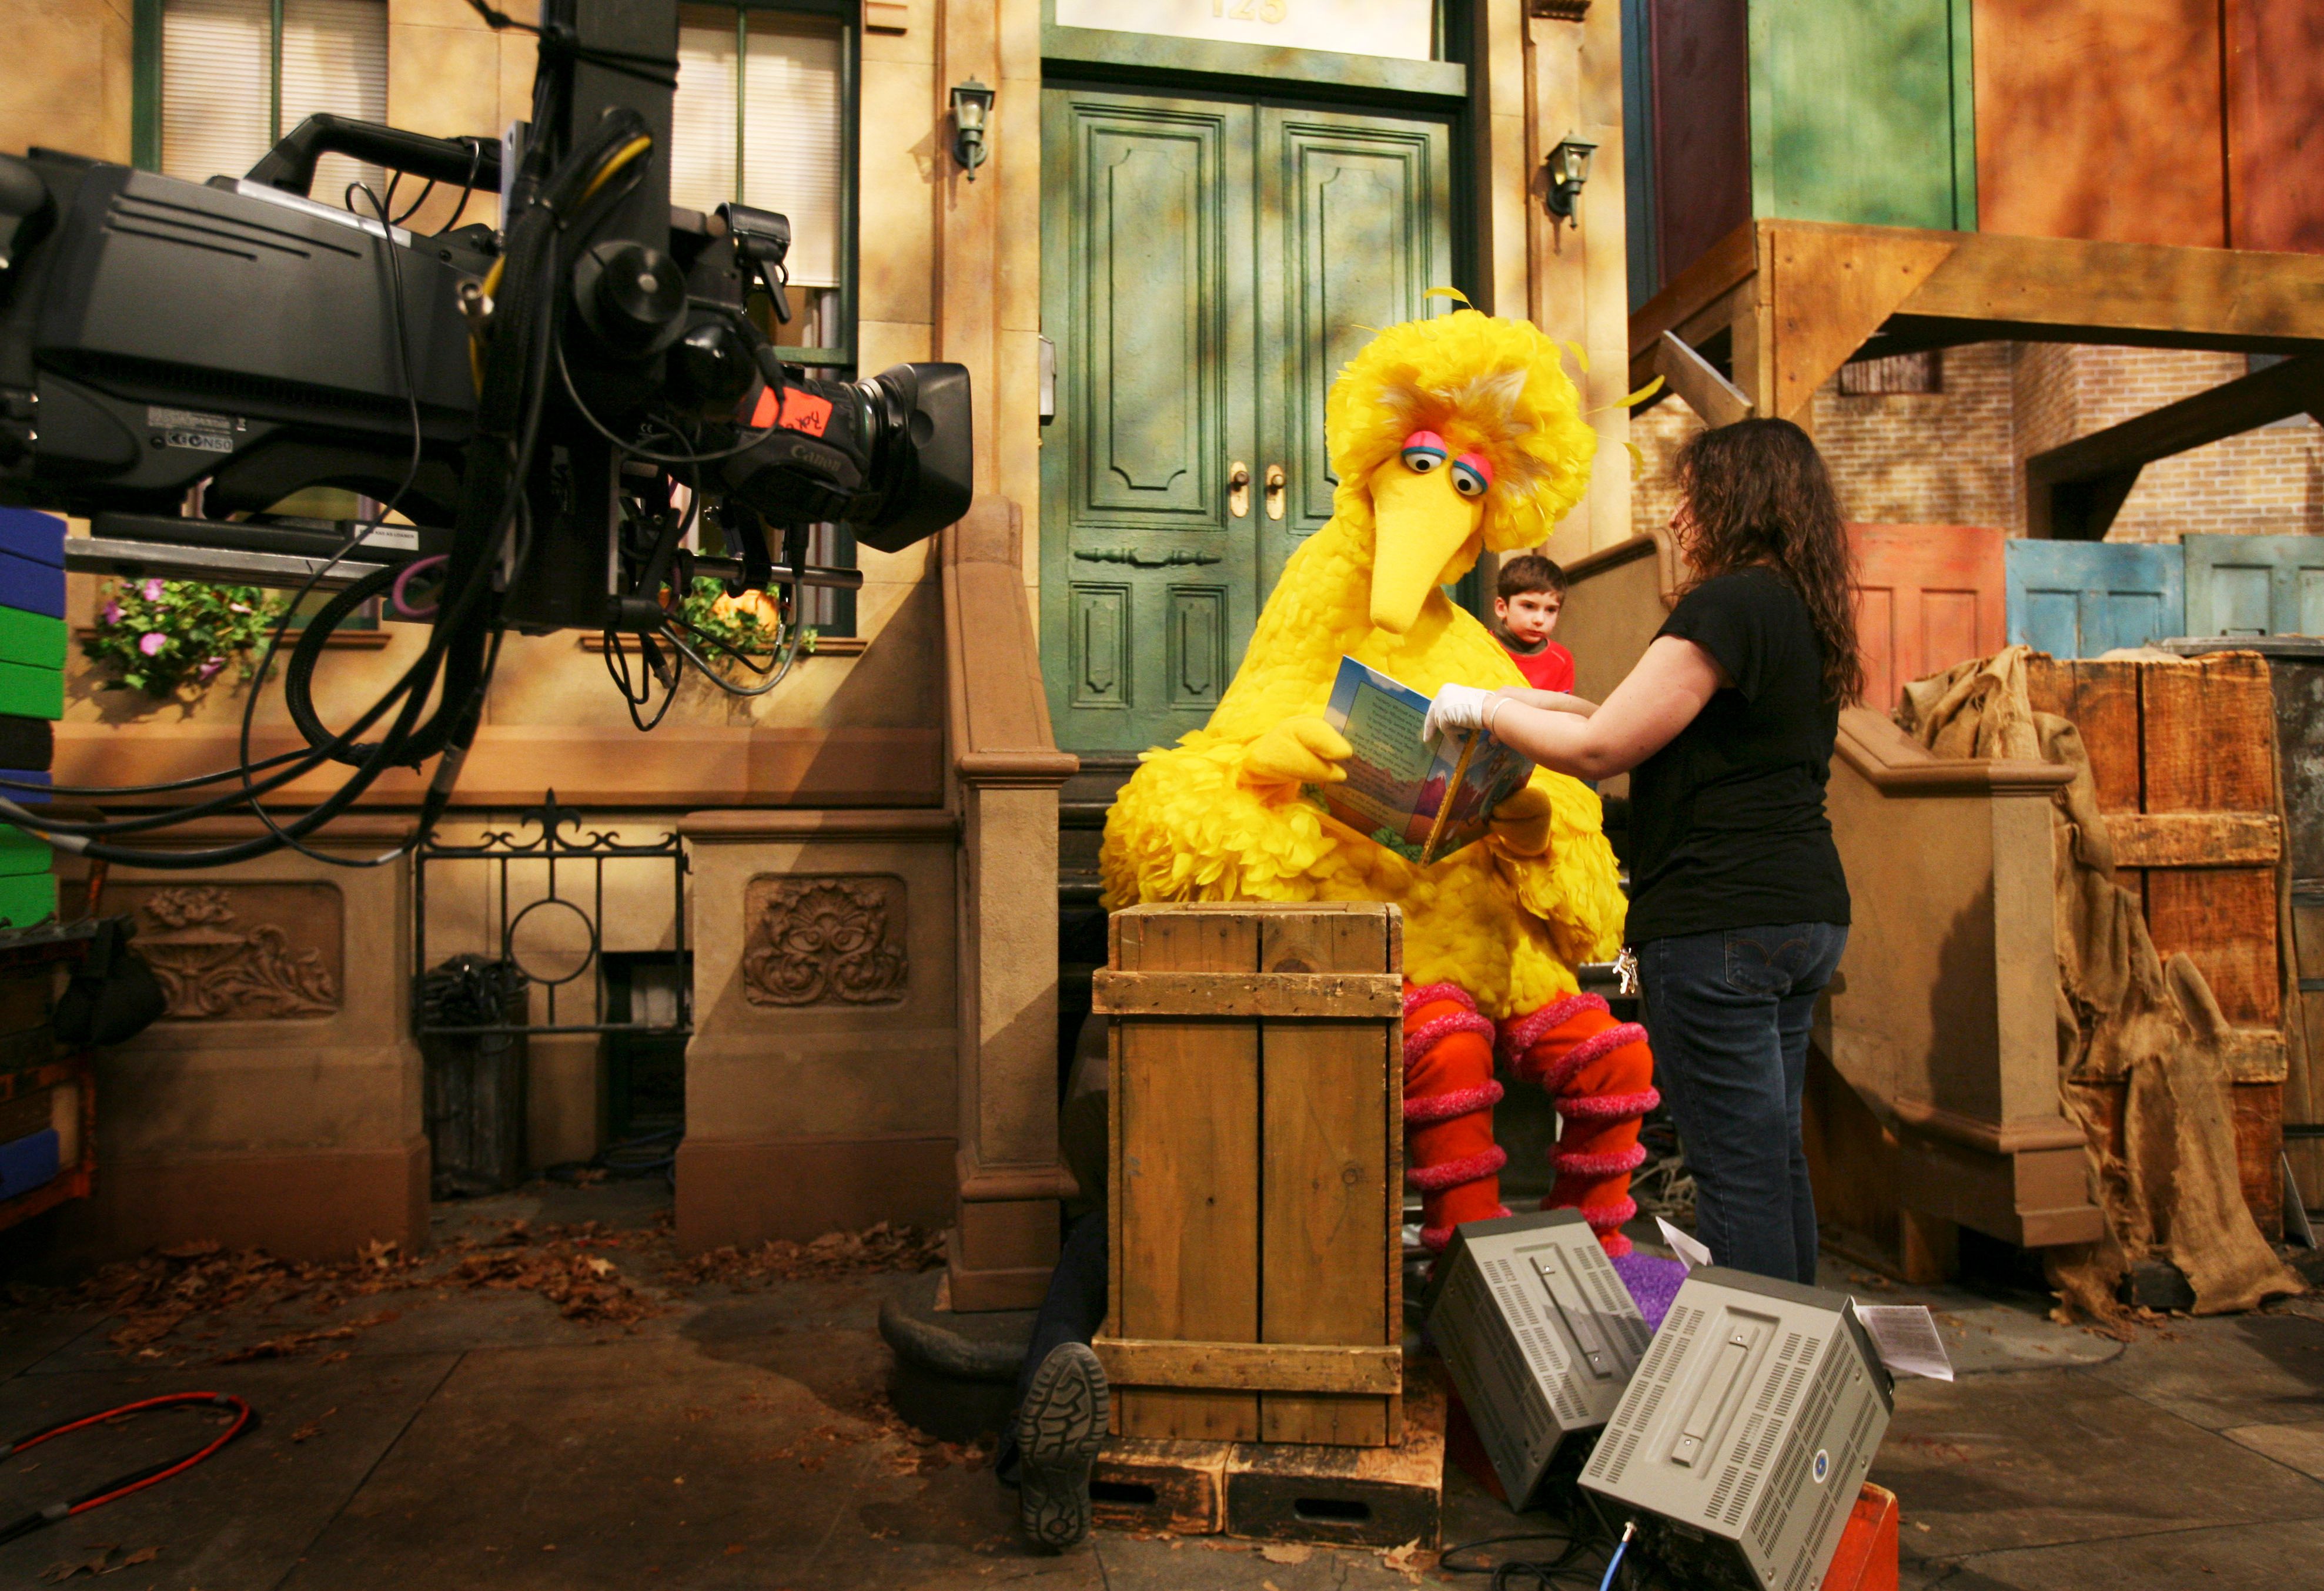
[{"x": 1928, "y": 596}]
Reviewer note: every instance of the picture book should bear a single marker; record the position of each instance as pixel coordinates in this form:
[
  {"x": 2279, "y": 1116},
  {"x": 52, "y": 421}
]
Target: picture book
[{"x": 1422, "y": 799}]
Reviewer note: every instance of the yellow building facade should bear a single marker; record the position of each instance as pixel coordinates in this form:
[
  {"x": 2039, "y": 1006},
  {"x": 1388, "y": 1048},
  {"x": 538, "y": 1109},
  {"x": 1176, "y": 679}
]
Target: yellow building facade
[{"x": 910, "y": 770}]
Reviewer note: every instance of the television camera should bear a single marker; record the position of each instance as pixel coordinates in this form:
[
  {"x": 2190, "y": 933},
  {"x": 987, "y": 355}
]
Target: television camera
[{"x": 556, "y": 411}]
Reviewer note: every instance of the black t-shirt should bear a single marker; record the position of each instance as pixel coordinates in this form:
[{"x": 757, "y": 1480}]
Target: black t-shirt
[{"x": 1726, "y": 822}]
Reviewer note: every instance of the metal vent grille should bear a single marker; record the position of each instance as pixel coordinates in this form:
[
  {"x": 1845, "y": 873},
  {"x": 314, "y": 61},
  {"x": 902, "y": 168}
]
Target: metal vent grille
[
  {"x": 1791, "y": 1472},
  {"x": 1843, "y": 1464},
  {"x": 1645, "y": 1394},
  {"x": 1615, "y": 1304}
]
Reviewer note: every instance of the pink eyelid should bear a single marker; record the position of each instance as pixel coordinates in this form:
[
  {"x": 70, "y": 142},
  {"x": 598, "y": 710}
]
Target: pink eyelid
[
  {"x": 1425, "y": 439},
  {"x": 1477, "y": 461}
]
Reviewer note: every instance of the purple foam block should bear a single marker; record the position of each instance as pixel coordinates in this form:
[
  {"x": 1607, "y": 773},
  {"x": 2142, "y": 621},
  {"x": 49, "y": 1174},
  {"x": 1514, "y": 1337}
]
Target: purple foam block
[{"x": 1653, "y": 1282}]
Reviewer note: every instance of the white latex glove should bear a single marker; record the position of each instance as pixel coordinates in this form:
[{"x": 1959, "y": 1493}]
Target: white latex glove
[{"x": 1457, "y": 707}]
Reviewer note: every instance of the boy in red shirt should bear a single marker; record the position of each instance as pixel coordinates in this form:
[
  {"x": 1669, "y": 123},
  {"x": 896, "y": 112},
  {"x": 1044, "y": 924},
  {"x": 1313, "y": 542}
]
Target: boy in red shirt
[{"x": 1532, "y": 593}]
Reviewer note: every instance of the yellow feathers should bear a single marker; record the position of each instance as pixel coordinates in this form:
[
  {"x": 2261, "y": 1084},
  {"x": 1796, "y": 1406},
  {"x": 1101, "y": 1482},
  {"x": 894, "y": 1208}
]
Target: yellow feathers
[
  {"x": 1494, "y": 385},
  {"x": 1189, "y": 826}
]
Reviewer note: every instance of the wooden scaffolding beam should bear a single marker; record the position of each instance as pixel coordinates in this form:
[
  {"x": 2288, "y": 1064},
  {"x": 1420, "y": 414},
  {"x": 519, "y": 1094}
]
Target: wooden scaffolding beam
[
  {"x": 2074, "y": 493},
  {"x": 1782, "y": 304}
]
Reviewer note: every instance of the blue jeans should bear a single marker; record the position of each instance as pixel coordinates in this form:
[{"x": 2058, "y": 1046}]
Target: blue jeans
[{"x": 1728, "y": 1013}]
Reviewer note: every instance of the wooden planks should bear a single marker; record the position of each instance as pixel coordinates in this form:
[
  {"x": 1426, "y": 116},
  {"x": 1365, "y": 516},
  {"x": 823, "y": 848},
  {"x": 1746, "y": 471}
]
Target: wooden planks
[
  {"x": 2185, "y": 758},
  {"x": 1335, "y": 995},
  {"x": 1253, "y": 1367},
  {"x": 2208, "y": 729},
  {"x": 1333, "y": 1165},
  {"x": 1258, "y": 1144},
  {"x": 1702, "y": 114},
  {"x": 1185, "y": 1178},
  {"x": 1831, "y": 292},
  {"x": 2084, "y": 108},
  {"x": 1928, "y": 596},
  {"x": 1355, "y": 1496},
  {"x": 2196, "y": 839},
  {"x": 1143, "y": 1483},
  {"x": 2276, "y": 98},
  {"x": 1371, "y": 1496},
  {"x": 2102, "y": 701}
]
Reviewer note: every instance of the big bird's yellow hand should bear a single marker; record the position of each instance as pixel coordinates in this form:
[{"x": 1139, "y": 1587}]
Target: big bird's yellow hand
[
  {"x": 1521, "y": 823},
  {"x": 1296, "y": 751}
]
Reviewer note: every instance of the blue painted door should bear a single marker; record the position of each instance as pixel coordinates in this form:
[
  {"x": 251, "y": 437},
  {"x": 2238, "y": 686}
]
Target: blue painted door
[
  {"x": 2254, "y": 584},
  {"x": 2080, "y": 599}
]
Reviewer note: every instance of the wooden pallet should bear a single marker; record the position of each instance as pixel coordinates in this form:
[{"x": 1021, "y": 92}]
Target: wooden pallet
[
  {"x": 2183, "y": 756},
  {"x": 1284, "y": 1491}
]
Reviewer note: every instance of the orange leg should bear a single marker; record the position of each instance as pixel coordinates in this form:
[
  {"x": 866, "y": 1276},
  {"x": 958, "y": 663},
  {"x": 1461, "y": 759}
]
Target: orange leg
[
  {"x": 1601, "y": 1074},
  {"x": 1449, "y": 1094}
]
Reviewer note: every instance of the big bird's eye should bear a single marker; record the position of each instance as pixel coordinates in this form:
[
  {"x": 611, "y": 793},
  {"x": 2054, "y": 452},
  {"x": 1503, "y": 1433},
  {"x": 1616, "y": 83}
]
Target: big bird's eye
[
  {"x": 1424, "y": 451},
  {"x": 1471, "y": 475}
]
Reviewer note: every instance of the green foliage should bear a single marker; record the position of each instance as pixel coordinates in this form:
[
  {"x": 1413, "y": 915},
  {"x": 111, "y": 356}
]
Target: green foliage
[
  {"x": 744, "y": 624},
  {"x": 158, "y": 635}
]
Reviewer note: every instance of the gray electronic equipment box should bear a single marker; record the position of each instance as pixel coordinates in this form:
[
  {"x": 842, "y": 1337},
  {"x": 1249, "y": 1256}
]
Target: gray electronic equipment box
[
  {"x": 1744, "y": 1436},
  {"x": 1540, "y": 1333}
]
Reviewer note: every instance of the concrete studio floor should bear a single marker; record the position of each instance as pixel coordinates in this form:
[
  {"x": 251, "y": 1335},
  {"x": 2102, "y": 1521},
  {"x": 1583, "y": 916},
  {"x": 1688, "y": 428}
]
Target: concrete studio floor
[{"x": 484, "y": 1436}]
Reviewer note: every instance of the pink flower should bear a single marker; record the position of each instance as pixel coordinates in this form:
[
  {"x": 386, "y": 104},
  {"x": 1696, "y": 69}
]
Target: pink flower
[
  {"x": 208, "y": 671},
  {"x": 152, "y": 642},
  {"x": 111, "y": 614},
  {"x": 152, "y": 590}
]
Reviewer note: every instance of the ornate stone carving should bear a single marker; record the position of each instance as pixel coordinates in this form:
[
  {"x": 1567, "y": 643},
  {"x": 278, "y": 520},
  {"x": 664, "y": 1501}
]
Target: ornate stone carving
[
  {"x": 213, "y": 968},
  {"x": 828, "y": 940}
]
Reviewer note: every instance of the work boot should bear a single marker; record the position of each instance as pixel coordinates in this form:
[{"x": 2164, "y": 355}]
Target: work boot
[{"x": 1060, "y": 1426}]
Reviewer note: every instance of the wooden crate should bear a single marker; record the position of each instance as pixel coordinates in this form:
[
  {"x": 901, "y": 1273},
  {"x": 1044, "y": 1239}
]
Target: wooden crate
[
  {"x": 1284, "y": 1491},
  {"x": 2184, "y": 758},
  {"x": 1257, "y": 1176}
]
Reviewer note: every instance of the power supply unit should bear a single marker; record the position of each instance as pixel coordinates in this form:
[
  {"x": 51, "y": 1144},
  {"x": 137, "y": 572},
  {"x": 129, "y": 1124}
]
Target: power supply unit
[
  {"x": 1746, "y": 1434},
  {"x": 1540, "y": 1334}
]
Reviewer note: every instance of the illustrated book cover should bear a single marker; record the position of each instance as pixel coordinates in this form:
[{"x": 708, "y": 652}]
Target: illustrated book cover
[{"x": 1422, "y": 799}]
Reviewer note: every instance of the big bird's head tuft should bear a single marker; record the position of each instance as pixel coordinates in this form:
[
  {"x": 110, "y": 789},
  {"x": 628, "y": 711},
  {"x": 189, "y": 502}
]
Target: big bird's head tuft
[{"x": 1451, "y": 435}]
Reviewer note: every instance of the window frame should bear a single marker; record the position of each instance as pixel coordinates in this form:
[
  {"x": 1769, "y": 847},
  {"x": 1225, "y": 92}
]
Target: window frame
[
  {"x": 838, "y": 358},
  {"x": 145, "y": 80}
]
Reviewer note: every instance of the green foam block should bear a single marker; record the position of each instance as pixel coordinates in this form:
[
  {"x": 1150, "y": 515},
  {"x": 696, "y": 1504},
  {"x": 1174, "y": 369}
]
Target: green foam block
[
  {"x": 33, "y": 638},
  {"x": 28, "y": 897},
  {"x": 30, "y": 692},
  {"x": 21, "y": 853}
]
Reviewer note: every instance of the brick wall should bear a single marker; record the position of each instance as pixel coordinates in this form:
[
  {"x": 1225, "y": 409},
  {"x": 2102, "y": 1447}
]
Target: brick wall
[{"x": 1958, "y": 457}]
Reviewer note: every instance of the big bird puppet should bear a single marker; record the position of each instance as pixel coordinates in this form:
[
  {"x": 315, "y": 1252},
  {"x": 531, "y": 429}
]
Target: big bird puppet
[{"x": 1447, "y": 436}]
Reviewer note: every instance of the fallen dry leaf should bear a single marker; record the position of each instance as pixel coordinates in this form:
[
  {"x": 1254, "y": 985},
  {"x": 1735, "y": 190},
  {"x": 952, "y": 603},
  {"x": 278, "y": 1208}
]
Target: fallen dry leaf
[
  {"x": 1411, "y": 1557},
  {"x": 1286, "y": 1552},
  {"x": 143, "y": 1555},
  {"x": 882, "y": 1246}
]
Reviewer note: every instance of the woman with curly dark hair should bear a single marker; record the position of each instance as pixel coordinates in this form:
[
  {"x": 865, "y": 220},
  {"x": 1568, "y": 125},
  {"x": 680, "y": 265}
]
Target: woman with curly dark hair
[{"x": 1738, "y": 907}]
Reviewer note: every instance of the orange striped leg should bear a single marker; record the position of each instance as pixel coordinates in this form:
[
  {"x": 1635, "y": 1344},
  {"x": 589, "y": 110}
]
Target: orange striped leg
[
  {"x": 1601, "y": 1074},
  {"x": 1449, "y": 1094}
]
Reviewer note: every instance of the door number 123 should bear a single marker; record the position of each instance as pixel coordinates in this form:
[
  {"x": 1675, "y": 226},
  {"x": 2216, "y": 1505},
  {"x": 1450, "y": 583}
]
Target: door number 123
[{"x": 1266, "y": 11}]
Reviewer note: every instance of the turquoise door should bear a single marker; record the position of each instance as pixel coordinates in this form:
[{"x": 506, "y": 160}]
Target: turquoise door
[
  {"x": 1207, "y": 266},
  {"x": 2254, "y": 584},
  {"x": 2077, "y": 599}
]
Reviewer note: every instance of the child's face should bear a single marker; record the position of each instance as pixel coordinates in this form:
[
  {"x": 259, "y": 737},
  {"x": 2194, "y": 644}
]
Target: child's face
[{"x": 1530, "y": 615}]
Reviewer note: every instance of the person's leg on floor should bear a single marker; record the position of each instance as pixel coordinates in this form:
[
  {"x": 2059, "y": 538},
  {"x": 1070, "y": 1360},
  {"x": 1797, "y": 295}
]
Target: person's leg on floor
[
  {"x": 1074, "y": 1306},
  {"x": 1795, "y": 1016},
  {"x": 1062, "y": 1400},
  {"x": 1711, "y": 1011}
]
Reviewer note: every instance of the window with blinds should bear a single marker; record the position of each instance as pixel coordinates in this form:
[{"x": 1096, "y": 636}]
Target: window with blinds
[
  {"x": 230, "y": 85},
  {"x": 761, "y": 118}
]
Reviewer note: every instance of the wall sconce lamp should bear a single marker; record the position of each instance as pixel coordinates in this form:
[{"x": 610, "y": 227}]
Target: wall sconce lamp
[
  {"x": 1569, "y": 169},
  {"x": 970, "y": 103}
]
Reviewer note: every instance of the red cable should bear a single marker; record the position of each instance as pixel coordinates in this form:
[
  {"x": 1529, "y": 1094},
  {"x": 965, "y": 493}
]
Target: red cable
[{"x": 244, "y": 1416}]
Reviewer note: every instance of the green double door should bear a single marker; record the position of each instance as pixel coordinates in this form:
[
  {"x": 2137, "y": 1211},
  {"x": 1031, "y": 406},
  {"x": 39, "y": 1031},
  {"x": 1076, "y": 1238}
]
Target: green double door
[{"x": 1208, "y": 265}]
